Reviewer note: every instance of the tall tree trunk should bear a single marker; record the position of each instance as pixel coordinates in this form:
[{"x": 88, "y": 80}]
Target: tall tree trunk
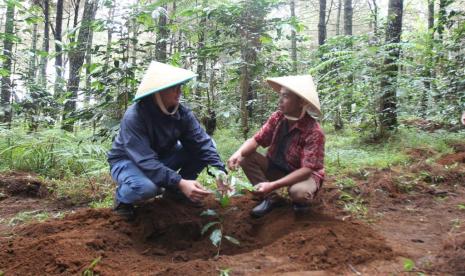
[
  {"x": 31, "y": 75},
  {"x": 173, "y": 34},
  {"x": 374, "y": 15},
  {"x": 162, "y": 37},
  {"x": 428, "y": 66},
  {"x": 59, "y": 80},
  {"x": 442, "y": 17},
  {"x": 252, "y": 23},
  {"x": 293, "y": 40},
  {"x": 88, "y": 58},
  {"x": 45, "y": 46},
  {"x": 201, "y": 58},
  {"x": 388, "y": 100},
  {"x": 111, "y": 15},
  {"x": 338, "y": 18},
  {"x": 76, "y": 60},
  {"x": 322, "y": 23},
  {"x": 5, "y": 104},
  {"x": 348, "y": 13}
]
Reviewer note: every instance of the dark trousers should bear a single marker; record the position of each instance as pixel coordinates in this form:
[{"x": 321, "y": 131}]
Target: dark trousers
[
  {"x": 134, "y": 186},
  {"x": 258, "y": 169}
]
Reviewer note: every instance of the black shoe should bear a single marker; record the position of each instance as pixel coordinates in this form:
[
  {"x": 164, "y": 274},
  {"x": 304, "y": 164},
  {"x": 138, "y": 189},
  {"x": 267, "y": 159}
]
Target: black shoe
[
  {"x": 300, "y": 208},
  {"x": 125, "y": 210},
  {"x": 264, "y": 207}
]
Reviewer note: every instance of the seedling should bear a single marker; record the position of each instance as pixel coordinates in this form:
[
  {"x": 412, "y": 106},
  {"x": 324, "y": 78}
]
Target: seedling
[
  {"x": 409, "y": 265},
  {"x": 227, "y": 187},
  {"x": 224, "y": 272},
  {"x": 90, "y": 270}
]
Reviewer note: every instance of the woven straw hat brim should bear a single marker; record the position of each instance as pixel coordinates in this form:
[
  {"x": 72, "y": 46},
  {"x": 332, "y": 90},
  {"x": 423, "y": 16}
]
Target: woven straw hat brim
[
  {"x": 303, "y": 86},
  {"x": 160, "y": 76}
]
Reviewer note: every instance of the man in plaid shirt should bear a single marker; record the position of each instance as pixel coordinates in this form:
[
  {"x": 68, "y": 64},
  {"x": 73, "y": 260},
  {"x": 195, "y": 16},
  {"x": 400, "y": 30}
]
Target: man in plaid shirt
[{"x": 295, "y": 142}]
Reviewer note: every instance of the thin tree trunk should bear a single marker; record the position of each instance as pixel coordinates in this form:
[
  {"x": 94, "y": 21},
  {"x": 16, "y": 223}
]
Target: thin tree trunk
[
  {"x": 162, "y": 36},
  {"x": 76, "y": 60},
  {"x": 442, "y": 18},
  {"x": 293, "y": 40},
  {"x": 338, "y": 18},
  {"x": 322, "y": 23},
  {"x": 5, "y": 107},
  {"x": 88, "y": 58},
  {"x": 45, "y": 45},
  {"x": 374, "y": 15},
  {"x": 201, "y": 59},
  {"x": 33, "y": 59},
  {"x": 173, "y": 34},
  {"x": 59, "y": 81},
  {"x": 388, "y": 100},
  {"x": 348, "y": 13},
  {"x": 111, "y": 15},
  {"x": 428, "y": 70},
  {"x": 252, "y": 24}
]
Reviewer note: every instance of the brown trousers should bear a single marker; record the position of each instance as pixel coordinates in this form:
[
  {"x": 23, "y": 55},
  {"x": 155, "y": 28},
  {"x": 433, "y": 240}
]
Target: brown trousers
[{"x": 257, "y": 169}]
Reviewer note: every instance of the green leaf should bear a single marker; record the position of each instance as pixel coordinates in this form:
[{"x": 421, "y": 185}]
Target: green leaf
[
  {"x": 216, "y": 237},
  {"x": 4, "y": 72},
  {"x": 461, "y": 206},
  {"x": 208, "y": 226},
  {"x": 266, "y": 39},
  {"x": 225, "y": 272},
  {"x": 232, "y": 240},
  {"x": 224, "y": 201},
  {"x": 208, "y": 212},
  {"x": 409, "y": 265}
]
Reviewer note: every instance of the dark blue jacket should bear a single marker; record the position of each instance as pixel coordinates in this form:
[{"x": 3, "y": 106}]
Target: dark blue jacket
[{"x": 146, "y": 135}]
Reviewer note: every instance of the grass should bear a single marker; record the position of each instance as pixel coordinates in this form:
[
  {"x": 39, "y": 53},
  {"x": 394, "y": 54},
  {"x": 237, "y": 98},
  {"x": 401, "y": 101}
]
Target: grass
[
  {"x": 347, "y": 152},
  {"x": 52, "y": 153},
  {"x": 33, "y": 216}
]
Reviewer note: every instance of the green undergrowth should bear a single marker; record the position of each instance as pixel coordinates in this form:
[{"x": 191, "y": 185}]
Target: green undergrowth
[
  {"x": 77, "y": 169},
  {"x": 52, "y": 153},
  {"x": 33, "y": 216},
  {"x": 347, "y": 151}
]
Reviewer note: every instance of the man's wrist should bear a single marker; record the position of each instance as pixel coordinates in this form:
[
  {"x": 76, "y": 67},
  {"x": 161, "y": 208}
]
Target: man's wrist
[{"x": 275, "y": 185}]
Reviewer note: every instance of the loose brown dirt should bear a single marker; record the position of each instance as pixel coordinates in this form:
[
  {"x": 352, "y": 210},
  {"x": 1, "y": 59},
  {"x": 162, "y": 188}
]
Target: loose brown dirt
[{"x": 413, "y": 212}]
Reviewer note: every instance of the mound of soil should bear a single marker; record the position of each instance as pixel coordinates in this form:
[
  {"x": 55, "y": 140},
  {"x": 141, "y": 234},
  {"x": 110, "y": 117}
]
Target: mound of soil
[
  {"x": 22, "y": 184},
  {"x": 452, "y": 258},
  {"x": 166, "y": 238}
]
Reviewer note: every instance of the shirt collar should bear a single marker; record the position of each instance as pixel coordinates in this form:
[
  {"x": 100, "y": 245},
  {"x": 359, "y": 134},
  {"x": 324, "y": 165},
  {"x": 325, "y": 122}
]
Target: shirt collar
[{"x": 301, "y": 124}]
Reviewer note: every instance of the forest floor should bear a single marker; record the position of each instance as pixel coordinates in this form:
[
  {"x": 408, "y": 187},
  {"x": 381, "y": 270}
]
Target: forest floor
[{"x": 402, "y": 220}]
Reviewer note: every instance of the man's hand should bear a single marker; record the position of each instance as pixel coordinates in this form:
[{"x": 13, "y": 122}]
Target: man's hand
[
  {"x": 193, "y": 190},
  {"x": 264, "y": 188},
  {"x": 235, "y": 160}
]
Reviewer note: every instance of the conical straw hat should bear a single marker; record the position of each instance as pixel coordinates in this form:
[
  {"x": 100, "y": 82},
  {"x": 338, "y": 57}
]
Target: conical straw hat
[
  {"x": 303, "y": 86},
  {"x": 160, "y": 76}
]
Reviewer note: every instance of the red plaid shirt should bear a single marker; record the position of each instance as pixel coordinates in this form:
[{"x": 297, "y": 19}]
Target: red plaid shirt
[{"x": 306, "y": 146}]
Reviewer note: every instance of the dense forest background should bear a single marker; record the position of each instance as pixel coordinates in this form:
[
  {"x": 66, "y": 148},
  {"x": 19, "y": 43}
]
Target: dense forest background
[{"x": 76, "y": 64}]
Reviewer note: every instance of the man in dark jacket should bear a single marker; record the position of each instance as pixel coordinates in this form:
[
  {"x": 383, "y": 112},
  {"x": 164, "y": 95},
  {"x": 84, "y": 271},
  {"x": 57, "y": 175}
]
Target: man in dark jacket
[{"x": 160, "y": 144}]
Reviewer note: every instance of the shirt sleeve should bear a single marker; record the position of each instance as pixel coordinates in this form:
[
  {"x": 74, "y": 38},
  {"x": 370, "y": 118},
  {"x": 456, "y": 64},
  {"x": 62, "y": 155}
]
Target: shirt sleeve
[
  {"x": 264, "y": 136},
  {"x": 198, "y": 142},
  {"x": 136, "y": 143},
  {"x": 314, "y": 150}
]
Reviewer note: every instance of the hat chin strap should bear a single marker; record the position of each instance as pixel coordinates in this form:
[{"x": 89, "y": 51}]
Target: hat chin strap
[
  {"x": 162, "y": 106},
  {"x": 302, "y": 114}
]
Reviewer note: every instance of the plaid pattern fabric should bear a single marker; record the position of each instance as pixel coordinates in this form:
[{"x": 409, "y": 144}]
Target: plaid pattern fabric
[{"x": 306, "y": 147}]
